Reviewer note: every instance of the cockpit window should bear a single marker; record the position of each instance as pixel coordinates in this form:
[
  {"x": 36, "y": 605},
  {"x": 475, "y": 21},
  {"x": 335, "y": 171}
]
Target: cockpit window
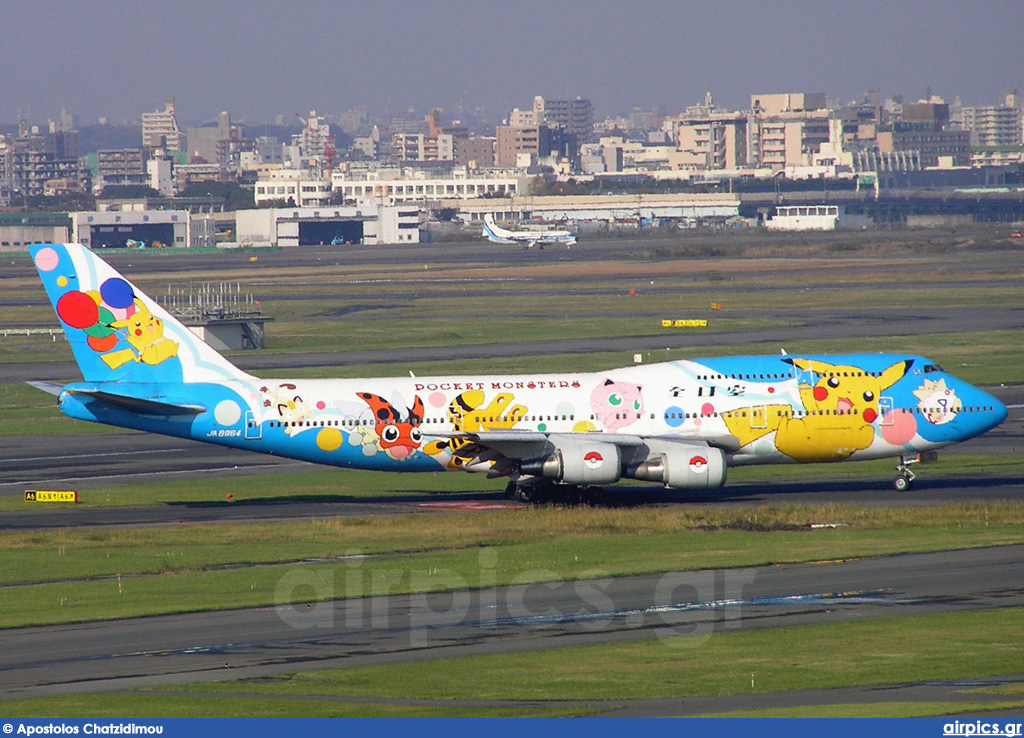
[{"x": 929, "y": 368}]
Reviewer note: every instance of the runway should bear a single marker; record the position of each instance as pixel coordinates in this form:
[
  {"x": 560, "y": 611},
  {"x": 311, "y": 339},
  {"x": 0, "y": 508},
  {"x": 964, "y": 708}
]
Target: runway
[
  {"x": 793, "y": 328},
  {"x": 681, "y": 608}
]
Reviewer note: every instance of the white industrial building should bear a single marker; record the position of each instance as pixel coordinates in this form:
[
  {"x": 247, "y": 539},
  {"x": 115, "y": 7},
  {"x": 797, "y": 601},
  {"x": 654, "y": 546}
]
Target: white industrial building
[
  {"x": 411, "y": 185},
  {"x": 139, "y": 229},
  {"x": 295, "y": 186},
  {"x": 18, "y": 230},
  {"x": 814, "y": 218},
  {"x": 369, "y": 222},
  {"x": 564, "y": 208}
]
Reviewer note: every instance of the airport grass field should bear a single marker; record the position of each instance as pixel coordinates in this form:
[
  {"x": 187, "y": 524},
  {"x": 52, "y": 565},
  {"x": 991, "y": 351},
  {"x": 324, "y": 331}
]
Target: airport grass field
[
  {"x": 114, "y": 573},
  {"x": 78, "y": 575}
]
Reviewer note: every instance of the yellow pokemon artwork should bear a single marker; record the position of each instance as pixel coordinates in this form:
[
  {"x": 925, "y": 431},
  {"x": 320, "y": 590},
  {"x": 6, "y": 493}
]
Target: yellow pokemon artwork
[{"x": 838, "y": 412}]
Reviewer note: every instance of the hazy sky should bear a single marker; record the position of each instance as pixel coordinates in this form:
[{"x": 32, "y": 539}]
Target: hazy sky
[{"x": 259, "y": 58}]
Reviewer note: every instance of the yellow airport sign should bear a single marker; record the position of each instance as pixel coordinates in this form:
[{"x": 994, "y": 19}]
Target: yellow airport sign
[
  {"x": 51, "y": 495},
  {"x": 684, "y": 323}
]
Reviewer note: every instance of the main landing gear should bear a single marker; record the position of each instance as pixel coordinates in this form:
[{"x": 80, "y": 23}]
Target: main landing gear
[
  {"x": 906, "y": 477},
  {"x": 544, "y": 491},
  {"x": 526, "y": 491}
]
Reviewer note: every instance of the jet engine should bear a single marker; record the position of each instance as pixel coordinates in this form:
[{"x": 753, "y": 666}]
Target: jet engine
[
  {"x": 578, "y": 461},
  {"x": 680, "y": 465}
]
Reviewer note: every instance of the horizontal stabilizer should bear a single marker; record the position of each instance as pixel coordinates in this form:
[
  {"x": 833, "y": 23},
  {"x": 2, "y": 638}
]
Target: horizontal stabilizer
[
  {"x": 48, "y": 387},
  {"x": 138, "y": 405}
]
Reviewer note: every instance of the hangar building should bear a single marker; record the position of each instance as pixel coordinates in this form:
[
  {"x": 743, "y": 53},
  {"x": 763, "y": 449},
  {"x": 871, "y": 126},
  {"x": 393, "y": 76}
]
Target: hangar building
[
  {"x": 368, "y": 222},
  {"x": 142, "y": 229}
]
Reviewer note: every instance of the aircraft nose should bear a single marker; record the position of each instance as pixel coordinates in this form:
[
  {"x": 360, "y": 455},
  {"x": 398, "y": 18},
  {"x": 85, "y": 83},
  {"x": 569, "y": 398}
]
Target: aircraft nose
[{"x": 998, "y": 412}]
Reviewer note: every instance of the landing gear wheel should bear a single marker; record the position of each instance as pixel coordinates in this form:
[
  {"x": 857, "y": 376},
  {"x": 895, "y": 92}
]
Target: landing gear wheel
[
  {"x": 535, "y": 491},
  {"x": 905, "y": 480},
  {"x": 574, "y": 496},
  {"x": 525, "y": 493}
]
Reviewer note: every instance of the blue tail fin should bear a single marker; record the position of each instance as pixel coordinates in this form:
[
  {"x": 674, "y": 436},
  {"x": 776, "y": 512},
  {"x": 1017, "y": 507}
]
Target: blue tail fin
[{"x": 118, "y": 333}]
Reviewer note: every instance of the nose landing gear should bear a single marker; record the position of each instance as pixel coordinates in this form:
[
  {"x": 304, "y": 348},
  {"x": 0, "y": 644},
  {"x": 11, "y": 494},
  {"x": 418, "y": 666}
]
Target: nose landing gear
[{"x": 906, "y": 477}]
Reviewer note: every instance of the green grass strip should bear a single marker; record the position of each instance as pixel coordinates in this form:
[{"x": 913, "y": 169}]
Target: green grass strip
[
  {"x": 121, "y": 574},
  {"x": 893, "y": 650}
]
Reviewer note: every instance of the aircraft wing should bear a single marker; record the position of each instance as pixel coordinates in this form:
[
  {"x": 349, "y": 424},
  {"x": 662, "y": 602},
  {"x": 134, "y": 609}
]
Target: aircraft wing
[
  {"x": 508, "y": 446},
  {"x": 488, "y": 438}
]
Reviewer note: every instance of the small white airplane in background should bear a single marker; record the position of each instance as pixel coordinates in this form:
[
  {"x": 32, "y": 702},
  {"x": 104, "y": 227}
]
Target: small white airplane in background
[{"x": 497, "y": 234}]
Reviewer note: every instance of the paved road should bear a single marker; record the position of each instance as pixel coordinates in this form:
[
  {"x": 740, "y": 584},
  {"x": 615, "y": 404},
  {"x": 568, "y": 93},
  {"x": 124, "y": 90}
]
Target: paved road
[{"x": 149, "y": 652}]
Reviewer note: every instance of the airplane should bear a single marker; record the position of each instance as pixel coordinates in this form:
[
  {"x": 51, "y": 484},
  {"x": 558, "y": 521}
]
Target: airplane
[
  {"x": 679, "y": 423},
  {"x": 497, "y": 234}
]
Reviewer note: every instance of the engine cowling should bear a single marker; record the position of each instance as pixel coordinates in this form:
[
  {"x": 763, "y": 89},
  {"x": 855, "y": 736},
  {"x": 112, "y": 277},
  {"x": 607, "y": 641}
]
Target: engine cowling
[
  {"x": 578, "y": 461},
  {"x": 683, "y": 466}
]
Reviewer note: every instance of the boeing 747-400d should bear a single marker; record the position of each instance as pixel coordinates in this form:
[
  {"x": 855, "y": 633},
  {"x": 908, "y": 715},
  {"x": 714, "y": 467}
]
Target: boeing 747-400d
[{"x": 680, "y": 423}]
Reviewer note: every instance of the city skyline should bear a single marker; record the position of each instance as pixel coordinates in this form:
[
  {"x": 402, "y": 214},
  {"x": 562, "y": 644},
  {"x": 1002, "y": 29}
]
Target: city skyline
[{"x": 258, "y": 60}]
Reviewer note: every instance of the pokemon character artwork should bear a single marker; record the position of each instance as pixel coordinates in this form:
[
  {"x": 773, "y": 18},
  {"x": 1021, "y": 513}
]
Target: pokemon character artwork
[
  {"x": 834, "y": 419},
  {"x": 680, "y": 423}
]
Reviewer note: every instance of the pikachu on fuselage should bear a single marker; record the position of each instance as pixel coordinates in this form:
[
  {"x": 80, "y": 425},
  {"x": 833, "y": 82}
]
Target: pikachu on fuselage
[{"x": 837, "y": 417}]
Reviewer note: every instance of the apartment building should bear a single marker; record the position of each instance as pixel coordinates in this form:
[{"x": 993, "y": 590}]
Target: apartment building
[
  {"x": 423, "y": 147},
  {"x": 538, "y": 142},
  {"x": 476, "y": 150},
  {"x": 120, "y": 167},
  {"x": 160, "y": 129},
  {"x": 575, "y": 117},
  {"x": 712, "y": 141},
  {"x": 789, "y": 139},
  {"x": 515, "y": 140},
  {"x": 206, "y": 141},
  {"x": 35, "y": 163},
  {"x": 993, "y": 125}
]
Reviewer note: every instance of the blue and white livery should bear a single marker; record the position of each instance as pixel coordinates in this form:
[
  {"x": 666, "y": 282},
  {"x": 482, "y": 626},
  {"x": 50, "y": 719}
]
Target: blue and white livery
[
  {"x": 497, "y": 234},
  {"x": 680, "y": 423}
]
